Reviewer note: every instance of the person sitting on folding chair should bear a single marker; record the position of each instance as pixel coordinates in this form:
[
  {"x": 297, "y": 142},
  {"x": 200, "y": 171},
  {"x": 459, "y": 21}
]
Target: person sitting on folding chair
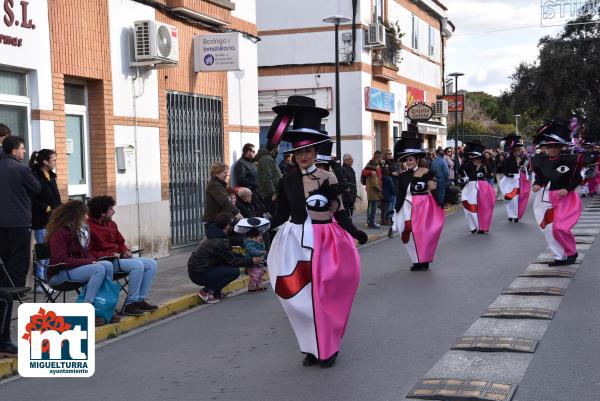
[
  {"x": 68, "y": 238},
  {"x": 107, "y": 241}
]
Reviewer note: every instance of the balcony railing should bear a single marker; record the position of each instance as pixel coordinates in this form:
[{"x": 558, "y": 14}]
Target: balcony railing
[{"x": 390, "y": 53}]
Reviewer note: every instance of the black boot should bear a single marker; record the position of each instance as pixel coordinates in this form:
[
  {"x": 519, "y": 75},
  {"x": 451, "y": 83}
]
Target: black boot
[
  {"x": 425, "y": 266},
  {"x": 310, "y": 360},
  {"x": 8, "y": 350},
  {"x": 481, "y": 232},
  {"x": 510, "y": 219},
  {"x": 329, "y": 362},
  {"x": 473, "y": 231},
  {"x": 515, "y": 220},
  {"x": 571, "y": 259},
  {"x": 414, "y": 267}
]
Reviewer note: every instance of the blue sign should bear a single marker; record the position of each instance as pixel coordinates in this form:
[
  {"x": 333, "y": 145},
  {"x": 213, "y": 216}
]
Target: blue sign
[{"x": 376, "y": 99}]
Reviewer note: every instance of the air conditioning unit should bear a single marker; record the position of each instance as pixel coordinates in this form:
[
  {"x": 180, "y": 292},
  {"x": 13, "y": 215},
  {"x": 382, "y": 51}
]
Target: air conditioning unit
[
  {"x": 376, "y": 35},
  {"x": 155, "y": 43},
  {"x": 441, "y": 108}
]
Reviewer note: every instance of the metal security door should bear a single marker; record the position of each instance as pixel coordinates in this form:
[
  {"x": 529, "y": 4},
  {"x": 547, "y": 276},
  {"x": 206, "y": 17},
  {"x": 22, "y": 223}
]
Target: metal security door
[{"x": 195, "y": 142}]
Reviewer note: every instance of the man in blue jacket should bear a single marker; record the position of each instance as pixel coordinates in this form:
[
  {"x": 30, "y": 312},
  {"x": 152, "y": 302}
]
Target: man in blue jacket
[
  {"x": 440, "y": 168},
  {"x": 19, "y": 185}
]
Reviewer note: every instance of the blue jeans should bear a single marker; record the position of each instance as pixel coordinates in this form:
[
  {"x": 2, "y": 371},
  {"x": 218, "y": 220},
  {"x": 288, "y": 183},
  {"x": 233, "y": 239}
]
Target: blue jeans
[
  {"x": 40, "y": 266},
  {"x": 216, "y": 278},
  {"x": 92, "y": 275},
  {"x": 441, "y": 192},
  {"x": 371, "y": 212},
  {"x": 141, "y": 275}
]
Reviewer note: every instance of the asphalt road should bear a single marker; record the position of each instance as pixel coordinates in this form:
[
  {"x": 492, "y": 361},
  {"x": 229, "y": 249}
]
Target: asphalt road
[{"x": 243, "y": 348}]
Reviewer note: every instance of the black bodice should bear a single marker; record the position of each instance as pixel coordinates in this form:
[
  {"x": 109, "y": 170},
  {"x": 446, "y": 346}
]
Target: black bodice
[
  {"x": 417, "y": 185},
  {"x": 562, "y": 172},
  {"x": 512, "y": 167},
  {"x": 474, "y": 173}
]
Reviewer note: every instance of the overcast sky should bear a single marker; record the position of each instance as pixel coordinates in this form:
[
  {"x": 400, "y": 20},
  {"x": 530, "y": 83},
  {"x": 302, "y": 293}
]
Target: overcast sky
[{"x": 492, "y": 37}]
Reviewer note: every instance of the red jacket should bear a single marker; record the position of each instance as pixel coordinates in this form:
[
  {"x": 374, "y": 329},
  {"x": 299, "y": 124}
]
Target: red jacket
[
  {"x": 105, "y": 238},
  {"x": 65, "y": 248}
]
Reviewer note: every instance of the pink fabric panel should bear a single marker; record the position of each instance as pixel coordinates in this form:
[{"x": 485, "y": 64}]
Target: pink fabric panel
[
  {"x": 427, "y": 223},
  {"x": 336, "y": 274},
  {"x": 566, "y": 213},
  {"x": 486, "y": 198},
  {"x": 524, "y": 192}
]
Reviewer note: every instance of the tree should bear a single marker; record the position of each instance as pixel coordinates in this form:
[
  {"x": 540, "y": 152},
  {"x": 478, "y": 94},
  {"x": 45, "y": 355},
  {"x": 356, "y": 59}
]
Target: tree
[{"x": 565, "y": 79}]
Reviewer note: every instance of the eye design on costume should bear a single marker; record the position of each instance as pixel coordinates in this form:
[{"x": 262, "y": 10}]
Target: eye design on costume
[
  {"x": 479, "y": 175},
  {"x": 420, "y": 186},
  {"x": 562, "y": 169},
  {"x": 317, "y": 202}
]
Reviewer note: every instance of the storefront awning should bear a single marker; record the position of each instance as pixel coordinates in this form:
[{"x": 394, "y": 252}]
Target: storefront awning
[{"x": 432, "y": 128}]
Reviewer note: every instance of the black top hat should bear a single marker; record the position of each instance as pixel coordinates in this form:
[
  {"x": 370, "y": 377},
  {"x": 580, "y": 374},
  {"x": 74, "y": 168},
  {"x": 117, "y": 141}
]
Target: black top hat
[
  {"x": 295, "y": 103},
  {"x": 307, "y": 130},
  {"x": 408, "y": 147},
  {"x": 474, "y": 149},
  {"x": 511, "y": 142},
  {"x": 324, "y": 153},
  {"x": 553, "y": 132},
  {"x": 285, "y": 115},
  {"x": 412, "y": 131}
]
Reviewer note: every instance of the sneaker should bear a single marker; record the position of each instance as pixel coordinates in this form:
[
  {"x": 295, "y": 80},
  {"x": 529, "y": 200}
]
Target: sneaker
[
  {"x": 40, "y": 290},
  {"x": 115, "y": 318},
  {"x": 145, "y": 306},
  {"x": 132, "y": 310},
  {"x": 207, "y": 296},
  {"x": 257, "y": 290},
  {"x": 8, "y": 350},
  {"x": 220, "y": 296}
]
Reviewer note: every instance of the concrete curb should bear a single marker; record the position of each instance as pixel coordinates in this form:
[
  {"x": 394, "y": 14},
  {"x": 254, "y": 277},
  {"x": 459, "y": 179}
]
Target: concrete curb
[{"x": 8, "y": 366}]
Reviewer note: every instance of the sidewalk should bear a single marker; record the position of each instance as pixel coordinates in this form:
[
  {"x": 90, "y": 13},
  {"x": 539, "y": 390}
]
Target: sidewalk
[{"x": 173, "y": 292}]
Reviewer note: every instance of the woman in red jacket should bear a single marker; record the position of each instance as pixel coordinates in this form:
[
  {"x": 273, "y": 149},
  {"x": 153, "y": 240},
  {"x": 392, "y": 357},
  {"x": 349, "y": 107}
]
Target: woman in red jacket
[{"x": 68, "y": 238}]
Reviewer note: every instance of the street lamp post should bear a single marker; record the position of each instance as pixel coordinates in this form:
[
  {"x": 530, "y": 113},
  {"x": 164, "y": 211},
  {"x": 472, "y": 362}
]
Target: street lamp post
[
  {"x": 337, "y": 20},
  {"x": 517, "y": 116},
  {"x": 456, "y": 159}
]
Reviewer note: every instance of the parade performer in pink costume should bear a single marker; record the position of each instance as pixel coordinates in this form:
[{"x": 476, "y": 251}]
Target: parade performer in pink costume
[
  {"x": 557, "y": 206},
  {"x": 515, "y": 185},
  {"x": 313, "y": 262},
  {"x": 418, "y": 218},
  {"x": 590, "y": 173},
  {"x": 478, "y": 196}
]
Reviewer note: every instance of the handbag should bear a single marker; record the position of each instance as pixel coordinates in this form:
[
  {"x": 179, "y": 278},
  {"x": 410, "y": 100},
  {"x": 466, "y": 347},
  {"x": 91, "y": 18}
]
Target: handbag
[{"x": 106, "y": 299}]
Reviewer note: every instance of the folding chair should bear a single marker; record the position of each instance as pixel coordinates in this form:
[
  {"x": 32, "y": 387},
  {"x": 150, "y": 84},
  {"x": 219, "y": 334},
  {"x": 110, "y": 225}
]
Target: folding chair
[
  {"x": 119, "y": 276},
  {"x": 13, "y": 290},
  {"x": 42, "y": 252}
]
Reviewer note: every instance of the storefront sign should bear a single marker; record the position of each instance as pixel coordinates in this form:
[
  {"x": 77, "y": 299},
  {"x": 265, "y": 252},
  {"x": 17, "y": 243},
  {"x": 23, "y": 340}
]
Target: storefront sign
[
  {"x": 419, "y": 112},
  {"x": 451, "y": 100},
  {"x": 414, "y": 95},
  {"x": 17, "y": 16},
  {"x": 217, "y": 52},
  {"x": 376, "y": 99}
]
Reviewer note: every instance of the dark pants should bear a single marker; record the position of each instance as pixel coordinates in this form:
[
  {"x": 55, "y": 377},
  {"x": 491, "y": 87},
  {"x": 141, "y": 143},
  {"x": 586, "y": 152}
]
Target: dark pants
[
  {"x": 216, "y": 278},
  {"x": 269, "y": 204},
  {"x": 15, "y": 251},
  {"x": 5, "y": 315}
]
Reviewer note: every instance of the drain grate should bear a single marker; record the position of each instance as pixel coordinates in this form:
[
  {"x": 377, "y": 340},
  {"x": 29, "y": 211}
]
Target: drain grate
[
  {"x": 562, "y": 273},
  {"x": 519, "y": 313},
  {"x": 462, "y": 390},
  {"x": 495, "y": 344},
  {"x": 535, "y": 291}
]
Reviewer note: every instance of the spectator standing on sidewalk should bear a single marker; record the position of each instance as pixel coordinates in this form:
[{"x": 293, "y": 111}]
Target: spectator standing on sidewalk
[
  {"x": 106, "y": 240},
  {"x": 286, "y": 163},
  {"x": 440, "y": 168},
  {"x": 245, "y": 169},
  {"x": 19, "y": 185},
  {"x": 4, "y": 132},
  {"x": 374, "y": 196},
  {"x": 42, "y": 164},
  {"x": 349, "y": 178},
  {"x": 268, "y": 176},
  {"x": 213, "y": 264},
  {"x": 490, "y": 165},
  {"x": 217, "y": 198},
  {"x": 7, "y": 348},
  {"x": 449, "y": 158}
]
